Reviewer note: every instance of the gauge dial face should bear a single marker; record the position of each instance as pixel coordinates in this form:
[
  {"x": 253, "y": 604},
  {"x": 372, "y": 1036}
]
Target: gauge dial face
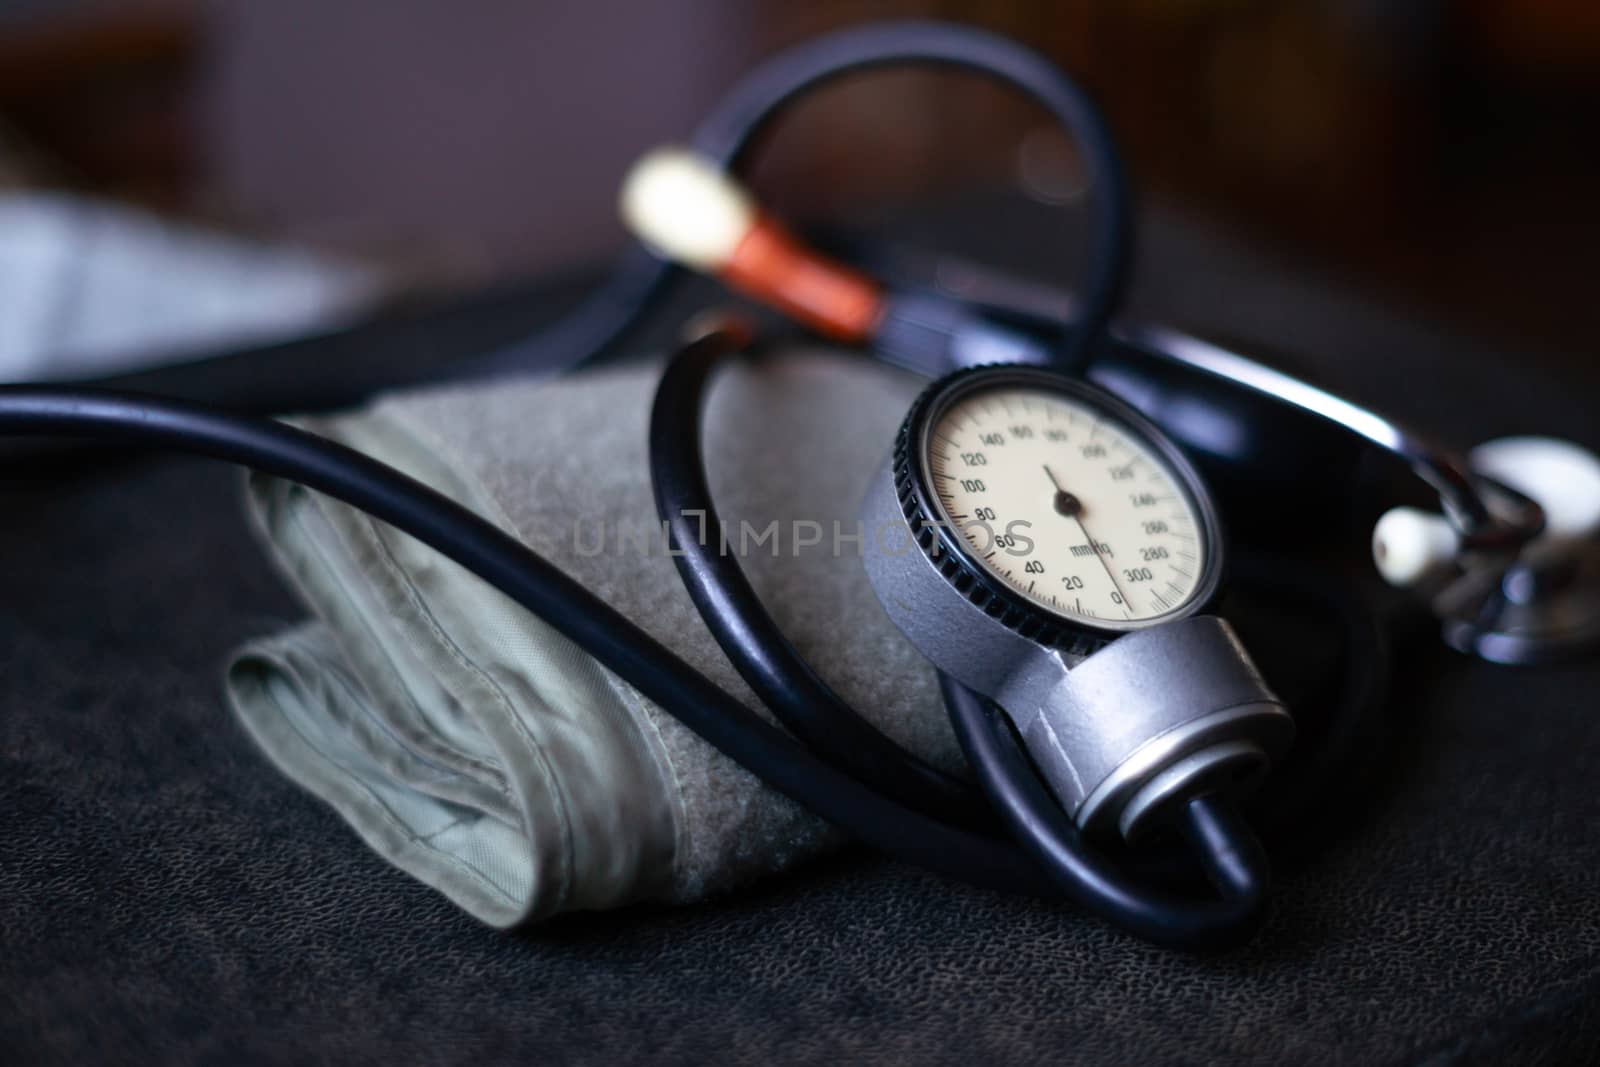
[{"x": 1067, "y": 504}]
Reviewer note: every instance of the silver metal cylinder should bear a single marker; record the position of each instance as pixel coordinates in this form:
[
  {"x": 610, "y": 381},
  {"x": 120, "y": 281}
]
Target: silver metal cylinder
[{"x": 1152, "y": 719}]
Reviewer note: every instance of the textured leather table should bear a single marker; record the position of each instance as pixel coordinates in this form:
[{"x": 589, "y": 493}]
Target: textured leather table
[{"x": 165, "y": 896}]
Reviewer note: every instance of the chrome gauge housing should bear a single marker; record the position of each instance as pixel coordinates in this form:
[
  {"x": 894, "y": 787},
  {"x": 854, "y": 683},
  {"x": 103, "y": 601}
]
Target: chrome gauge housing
[{"x": 1095, "y": 637}]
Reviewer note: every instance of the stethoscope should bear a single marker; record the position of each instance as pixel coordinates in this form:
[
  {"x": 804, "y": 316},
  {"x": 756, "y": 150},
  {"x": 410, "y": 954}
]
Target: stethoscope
[{"x": 1054, "y": 550}]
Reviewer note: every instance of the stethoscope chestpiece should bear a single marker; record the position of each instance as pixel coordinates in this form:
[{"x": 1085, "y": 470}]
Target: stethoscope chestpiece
[
  {"x": 1531, "y": 600},
  {"x": 1543, "y": 608}
]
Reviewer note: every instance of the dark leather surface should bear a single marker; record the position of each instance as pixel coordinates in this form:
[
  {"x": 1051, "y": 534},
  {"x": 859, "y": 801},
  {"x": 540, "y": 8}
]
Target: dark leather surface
[{"x": 165, "y": 896}]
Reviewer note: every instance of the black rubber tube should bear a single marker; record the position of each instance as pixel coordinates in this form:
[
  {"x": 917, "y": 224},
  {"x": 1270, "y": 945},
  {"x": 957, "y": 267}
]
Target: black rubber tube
[
  {"x": 1227, "y": 847},
  {"x": 750, "y": 107},
  {"x": 764, "y": 658},
  {"x": 1319, "y": 770}
]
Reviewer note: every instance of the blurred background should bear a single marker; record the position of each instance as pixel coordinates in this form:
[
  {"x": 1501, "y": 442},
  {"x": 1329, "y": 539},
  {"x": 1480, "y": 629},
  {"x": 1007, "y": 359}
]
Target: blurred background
[{"x": 200, "y": 172}]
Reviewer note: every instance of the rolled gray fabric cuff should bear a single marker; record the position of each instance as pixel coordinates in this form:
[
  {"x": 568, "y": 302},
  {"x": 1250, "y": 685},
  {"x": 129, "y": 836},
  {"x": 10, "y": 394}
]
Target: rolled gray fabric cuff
[{"x": 471, "y": 744}]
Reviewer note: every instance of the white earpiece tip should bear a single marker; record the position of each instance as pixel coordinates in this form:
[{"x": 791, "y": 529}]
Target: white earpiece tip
[
  {"x": 1562, "y": 477},
  {"x": 682, "y": 205},
  {"x": 1409, "y": 545}
]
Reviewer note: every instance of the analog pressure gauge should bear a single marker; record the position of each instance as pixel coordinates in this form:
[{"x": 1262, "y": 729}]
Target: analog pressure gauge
[{"x": 1048, "y": 546}]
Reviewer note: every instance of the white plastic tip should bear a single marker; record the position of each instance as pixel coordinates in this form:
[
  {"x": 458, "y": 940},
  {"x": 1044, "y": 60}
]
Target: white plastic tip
[
  {"x": 682, "y": 205},
  {"x": 1561, "y": 477},
  {"x": 1410, "y": 546}
]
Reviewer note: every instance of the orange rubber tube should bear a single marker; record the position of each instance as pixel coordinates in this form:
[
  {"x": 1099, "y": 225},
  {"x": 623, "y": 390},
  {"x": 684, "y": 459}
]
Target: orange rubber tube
[{"x": 772, "y": 266}]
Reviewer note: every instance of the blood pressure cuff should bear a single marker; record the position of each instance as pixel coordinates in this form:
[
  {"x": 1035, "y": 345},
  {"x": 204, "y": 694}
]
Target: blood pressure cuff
[{"x": 475, "y": 747}]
